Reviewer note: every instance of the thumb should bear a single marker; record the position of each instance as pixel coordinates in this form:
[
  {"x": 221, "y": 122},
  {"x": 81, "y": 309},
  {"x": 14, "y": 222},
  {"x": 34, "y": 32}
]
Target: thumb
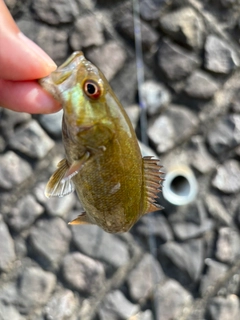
[{"x": 20, "y": 58}]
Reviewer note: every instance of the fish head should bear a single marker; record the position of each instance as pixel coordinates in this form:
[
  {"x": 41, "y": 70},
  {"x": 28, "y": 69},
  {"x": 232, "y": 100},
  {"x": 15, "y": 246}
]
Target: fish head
[{"x": 82, "y": 90}]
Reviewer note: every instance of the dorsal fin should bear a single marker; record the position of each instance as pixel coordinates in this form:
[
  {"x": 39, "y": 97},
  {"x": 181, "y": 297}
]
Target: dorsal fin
[{"x": 152, "y": 176}]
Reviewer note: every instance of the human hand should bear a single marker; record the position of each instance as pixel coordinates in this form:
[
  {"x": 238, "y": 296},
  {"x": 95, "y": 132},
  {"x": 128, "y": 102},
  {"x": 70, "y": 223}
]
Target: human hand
[{"x": 21, "y": 63}]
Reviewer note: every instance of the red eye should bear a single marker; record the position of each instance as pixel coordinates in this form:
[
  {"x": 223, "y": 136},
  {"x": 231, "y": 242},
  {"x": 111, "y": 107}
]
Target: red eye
[{"x": 92, "y": 89}]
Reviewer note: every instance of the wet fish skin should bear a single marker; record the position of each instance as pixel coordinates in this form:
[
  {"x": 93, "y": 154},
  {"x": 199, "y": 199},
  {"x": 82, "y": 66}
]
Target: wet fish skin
[{"x": 103, "y": 159}]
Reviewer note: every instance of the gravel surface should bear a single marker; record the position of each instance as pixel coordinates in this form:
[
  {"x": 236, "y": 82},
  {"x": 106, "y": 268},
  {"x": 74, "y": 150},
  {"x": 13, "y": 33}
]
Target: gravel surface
[{"x": 181, "y": 263}]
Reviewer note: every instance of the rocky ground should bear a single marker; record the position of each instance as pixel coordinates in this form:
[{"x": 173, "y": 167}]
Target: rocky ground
[{"x": 181, "y": 263}]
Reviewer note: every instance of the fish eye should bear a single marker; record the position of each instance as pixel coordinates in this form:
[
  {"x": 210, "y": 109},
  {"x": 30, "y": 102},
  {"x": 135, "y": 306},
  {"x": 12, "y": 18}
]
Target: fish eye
[{"x": 92, "y": 89}]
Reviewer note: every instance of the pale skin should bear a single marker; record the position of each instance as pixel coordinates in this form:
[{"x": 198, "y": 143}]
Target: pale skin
[{"x": 22, "y": 62}]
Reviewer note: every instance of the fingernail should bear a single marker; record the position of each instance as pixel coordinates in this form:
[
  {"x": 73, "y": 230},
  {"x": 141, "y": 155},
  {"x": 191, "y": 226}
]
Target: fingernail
[
  {"x": 37, "y": 50},
  {"x": 42, "y": 101}
]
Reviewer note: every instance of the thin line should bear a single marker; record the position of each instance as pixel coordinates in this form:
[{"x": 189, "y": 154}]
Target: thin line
[
  {"x": 140, "y": 70},
  {"x": 143, "y": 125}
]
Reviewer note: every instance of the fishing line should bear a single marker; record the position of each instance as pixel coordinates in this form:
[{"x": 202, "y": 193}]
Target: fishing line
[
  {"x": 143, "y": 124},
  {"x": 140, "y": 70}
]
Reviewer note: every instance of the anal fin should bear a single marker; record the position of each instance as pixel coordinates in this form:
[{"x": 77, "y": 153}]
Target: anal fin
[
  {"x": 81, "y": 219},
  {"x": 152, "y": 183}
]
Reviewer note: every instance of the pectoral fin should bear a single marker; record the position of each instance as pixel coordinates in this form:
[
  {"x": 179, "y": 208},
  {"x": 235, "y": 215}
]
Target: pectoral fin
[
  {"x": 75, "y": 168},
  {"x": 60, "y": 183},
  {"x": 81, "y": 219},
  {"x": 152, "y": 183},
  {"x": 54, "y": 187}
]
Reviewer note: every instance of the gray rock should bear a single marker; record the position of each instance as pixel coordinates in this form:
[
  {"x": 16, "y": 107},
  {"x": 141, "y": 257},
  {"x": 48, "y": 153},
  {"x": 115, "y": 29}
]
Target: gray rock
[
  {"x": 83, "y": 273},
  {"x": 31, "y": 140},
  {"x": 144, "y": 277},
  {"x": 2, "y": 144},
  {"x": 116, "y": 306},
  {"x": 193, "y": 212},
  {"x": 133, "y": 113},
  {"x": 35, "y": 288},
  {"x": 175, "y": 61},
  {"x": 7, "y": 255},
  {"x": 187, "y": 256},
  {"x": 60, "y": 206},
  {"x": 54, "y": 42},
  {"x": 8, "y": 312},
  {"x": 225, "y": 133},
  {"x": 150, "y": 9},
  {"x": 146, "y": 150},
  {"x": 228, "y": 244},
  {"x": 125, "y": 83},
  {"x": 227, "y": 177},
  {"x": 38, "y": 316},
  {"x": 39, "y": 192},
  {"x": 200, "y": 85},
  {"x": 87, "y": 32},
  {"x": 143, "y": 315},
  {"x": 126, "y": 27},
  {"x": 29, "y": 28},
  {"x": 185, "y": 26},
  {"x": 217, "y": 210},
  {"x": 12, "y": 5},
  {"x": 86, "y": 5},
  {"x": 228, "y": 3},
  {"x": 13, "y": 170},
  {"x": 10, "y": 119},
  {"x": 56, "y": 11},
  {"x": 199, "y": 157},
  {"x": 98, "y": 244},
  {"x": 171, "y": 299},
  {"x": 172, "y": 127},
  {"x": 9, "y": 292},
  {"x": 221, "y": 308},
  {"x": 24, "y": 213},
  {"x": 156, "y": 225},
  {"x": 104, "y": 58},
  {"x": 49, "y": 241},
  {"x": 55, "y": 206},
  {"x": 52, "y": 123},
  {"x": 61, "y": 306},
  {"x": 219, "y": 56},
  {"x": 215, "y": 270},
  {"x": 188, "y": 230},
  {"x": 20, "y": 247},
  {"x": 52, "y": 39},
  {"x": 155, "y": 96},
  {"x": 235, "y": 102}
]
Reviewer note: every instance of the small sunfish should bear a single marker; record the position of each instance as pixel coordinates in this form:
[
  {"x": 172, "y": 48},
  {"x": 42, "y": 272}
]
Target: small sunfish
[{"x": 115, "y": 185}]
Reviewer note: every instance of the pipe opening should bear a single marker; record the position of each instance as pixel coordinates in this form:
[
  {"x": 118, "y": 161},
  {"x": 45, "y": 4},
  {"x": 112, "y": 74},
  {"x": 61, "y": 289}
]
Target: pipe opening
[{"x": 180, "y": 186}]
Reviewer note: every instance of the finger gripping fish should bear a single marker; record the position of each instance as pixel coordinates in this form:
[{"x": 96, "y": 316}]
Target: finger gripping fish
[{"x": 115, "y": 185}]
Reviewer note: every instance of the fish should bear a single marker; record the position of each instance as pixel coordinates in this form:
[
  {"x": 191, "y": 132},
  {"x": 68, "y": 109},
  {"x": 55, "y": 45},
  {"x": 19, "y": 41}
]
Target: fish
[{"x": 103, "y": 161}]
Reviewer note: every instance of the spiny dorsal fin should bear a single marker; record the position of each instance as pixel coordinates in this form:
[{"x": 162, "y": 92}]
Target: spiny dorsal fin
[{"x": 152, "y": 183}]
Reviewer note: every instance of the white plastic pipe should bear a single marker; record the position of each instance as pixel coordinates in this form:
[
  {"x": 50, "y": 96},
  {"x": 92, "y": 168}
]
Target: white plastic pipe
[{"x": 180, "y": 185}]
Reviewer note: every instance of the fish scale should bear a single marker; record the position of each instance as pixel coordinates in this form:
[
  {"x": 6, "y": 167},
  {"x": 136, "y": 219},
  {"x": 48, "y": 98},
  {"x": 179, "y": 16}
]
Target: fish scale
[{"x": 114, "y": 184}]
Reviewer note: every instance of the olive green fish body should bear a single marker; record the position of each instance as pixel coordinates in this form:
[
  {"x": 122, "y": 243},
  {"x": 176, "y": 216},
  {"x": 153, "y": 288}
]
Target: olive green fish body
[{"x": 103, "y": 160}]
